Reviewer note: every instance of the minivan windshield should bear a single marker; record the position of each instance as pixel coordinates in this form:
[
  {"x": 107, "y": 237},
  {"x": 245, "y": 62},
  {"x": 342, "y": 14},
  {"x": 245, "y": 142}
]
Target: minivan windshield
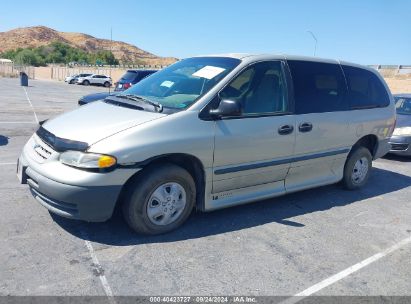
[
  {"x": 403, "y": 105},
  {"x": 181, "y": 84}
]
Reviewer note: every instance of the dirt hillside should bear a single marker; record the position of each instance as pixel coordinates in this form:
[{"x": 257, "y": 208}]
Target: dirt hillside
[{"x": 40, "y": 35}]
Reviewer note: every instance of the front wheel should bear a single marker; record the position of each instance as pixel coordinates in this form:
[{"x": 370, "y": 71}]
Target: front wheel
[
  {"x": 159, "y": 200},
  {"x": 86, "y": 82},
  {"x": 107, "y": 84},
  {"x": 357, "y": 168}
]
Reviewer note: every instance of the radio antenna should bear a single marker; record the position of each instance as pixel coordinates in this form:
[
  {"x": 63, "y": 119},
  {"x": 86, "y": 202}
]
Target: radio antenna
[{"x": 315, "y": 39}]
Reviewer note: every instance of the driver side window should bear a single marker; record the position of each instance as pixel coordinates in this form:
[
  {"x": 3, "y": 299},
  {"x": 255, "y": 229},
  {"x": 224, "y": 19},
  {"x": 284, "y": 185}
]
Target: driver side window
[{"x": 260, "y": 89}]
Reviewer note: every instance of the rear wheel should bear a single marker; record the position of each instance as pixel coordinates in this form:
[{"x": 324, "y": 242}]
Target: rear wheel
[
  {"x": 357, "y": 168},
  {"x": 86, "y": 82},
  {"x": 160, "y": 200}
]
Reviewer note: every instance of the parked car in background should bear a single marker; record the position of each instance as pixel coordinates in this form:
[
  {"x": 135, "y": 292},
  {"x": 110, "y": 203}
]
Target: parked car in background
[
  {"x": 73, "y": 78},
  {"x": 95, "y": 97},
  {"x": 132, "y": 77},
  {"x": 95, "y": 79},
  {"x": 401, "y": 138},
  {"x": 211, "y": 132}
]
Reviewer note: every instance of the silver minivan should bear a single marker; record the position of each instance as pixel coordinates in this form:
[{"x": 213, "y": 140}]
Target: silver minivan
[{"x": 211, "y": 132}]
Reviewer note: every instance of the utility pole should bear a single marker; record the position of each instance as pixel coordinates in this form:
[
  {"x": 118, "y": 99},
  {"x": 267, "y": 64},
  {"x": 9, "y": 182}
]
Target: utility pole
[
  {"x": 315, "y": 41},
  {"x": 111, "y": 52}
]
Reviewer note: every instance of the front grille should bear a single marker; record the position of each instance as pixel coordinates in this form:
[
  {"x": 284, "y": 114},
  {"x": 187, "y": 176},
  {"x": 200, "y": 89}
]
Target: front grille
[
  {"x": 399, "y": 147},
  {"x": 40, "y": 150}
]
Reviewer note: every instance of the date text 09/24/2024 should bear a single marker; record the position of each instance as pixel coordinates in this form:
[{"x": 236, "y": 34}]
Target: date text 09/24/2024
[{"x": 203, "y": 299}]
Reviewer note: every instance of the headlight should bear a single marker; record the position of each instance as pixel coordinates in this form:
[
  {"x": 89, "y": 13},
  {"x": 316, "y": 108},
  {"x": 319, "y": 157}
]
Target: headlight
[
  {"x": 402, "y": 131},
  {"x": 87, "y": 160}
]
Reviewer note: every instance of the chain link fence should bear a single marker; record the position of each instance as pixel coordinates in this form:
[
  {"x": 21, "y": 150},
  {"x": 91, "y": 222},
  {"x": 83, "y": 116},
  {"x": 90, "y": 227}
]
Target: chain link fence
[
  {"x": 393, "y": 70},
  {"x": 61, "y": 72},
  {"x": 12, "y": 70}
]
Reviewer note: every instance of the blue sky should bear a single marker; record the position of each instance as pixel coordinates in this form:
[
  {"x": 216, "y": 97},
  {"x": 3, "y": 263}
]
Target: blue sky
[{"x": 362, "y": 31}]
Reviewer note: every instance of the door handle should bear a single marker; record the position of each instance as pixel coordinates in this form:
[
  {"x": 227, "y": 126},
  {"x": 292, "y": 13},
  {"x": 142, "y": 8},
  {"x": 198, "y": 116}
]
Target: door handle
[
  {"x": 285, "y": 129},
  {"x": 305, "y": 127}
]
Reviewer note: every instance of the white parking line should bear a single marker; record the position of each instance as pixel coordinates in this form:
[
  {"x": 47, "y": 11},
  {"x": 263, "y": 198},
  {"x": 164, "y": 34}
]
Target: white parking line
[
  {"x": 7, "y": 164},
  {"x": 102, "y": 277},
  {"x": 346, "y": 272},
  {"x": 31, "y": 105}
]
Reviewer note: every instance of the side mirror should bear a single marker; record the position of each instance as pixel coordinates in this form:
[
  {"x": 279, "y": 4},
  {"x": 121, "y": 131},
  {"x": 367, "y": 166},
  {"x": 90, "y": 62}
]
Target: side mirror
[{"x": 226, "y": 108}]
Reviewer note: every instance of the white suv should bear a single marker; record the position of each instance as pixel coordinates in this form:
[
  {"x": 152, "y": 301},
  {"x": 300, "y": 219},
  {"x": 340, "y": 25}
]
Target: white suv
[
  {"x": 95, "y": 79},
  {"x": 73, "y": 78}
]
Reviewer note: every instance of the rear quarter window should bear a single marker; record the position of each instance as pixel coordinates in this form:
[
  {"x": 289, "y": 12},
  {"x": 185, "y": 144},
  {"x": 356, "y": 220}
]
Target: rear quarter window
[
  {"x": 141, "y": 75},
  {"x": 318, "y": 87},
  {"x": 365, "y": 89},
  {"x": 129, "y": 76}
]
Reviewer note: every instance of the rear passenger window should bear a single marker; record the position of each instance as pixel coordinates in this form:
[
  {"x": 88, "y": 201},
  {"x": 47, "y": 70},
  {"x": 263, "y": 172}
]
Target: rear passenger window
[
  {"x": 318, "y": 87},
  {"x": 365, "y": 89}
]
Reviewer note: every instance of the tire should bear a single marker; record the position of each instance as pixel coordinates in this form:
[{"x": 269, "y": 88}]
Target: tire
[
  {"x": 71, "y": 81},
  {"x": 107, "y": 84},
  {"x": 86, "y": 82},
  {"x": 357, "y": 168},
  {"x": 149, "y": 205}
]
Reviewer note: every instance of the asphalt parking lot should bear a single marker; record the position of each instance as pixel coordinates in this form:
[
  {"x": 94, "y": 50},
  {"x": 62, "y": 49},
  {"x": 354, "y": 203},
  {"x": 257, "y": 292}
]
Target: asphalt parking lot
[{"x": 333, "y": 241}]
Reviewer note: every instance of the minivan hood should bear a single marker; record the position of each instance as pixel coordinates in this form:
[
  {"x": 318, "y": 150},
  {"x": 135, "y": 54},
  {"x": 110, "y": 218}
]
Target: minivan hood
[{"x": 96, "y": 121}]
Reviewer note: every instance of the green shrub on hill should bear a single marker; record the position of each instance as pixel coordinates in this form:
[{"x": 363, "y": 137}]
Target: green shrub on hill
[{"x": 58, "y": 52}]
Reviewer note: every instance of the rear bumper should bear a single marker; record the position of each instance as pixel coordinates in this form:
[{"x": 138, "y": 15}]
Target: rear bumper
[
  {"x": 400, "y": 145},
  {"x": 91, "y": 203}
]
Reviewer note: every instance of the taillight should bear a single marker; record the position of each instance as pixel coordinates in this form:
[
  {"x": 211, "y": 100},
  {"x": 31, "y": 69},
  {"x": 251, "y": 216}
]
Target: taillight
[{"x": 127, "y": 85}]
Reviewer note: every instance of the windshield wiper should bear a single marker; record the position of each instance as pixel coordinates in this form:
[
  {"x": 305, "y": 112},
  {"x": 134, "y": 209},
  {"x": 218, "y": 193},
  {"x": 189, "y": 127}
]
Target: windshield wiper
[{"x": 156, "y": 105}]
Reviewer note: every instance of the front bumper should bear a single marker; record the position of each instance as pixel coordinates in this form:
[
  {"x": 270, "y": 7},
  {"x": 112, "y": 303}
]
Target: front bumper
[
  {"x": 81, "y": 195},
  {"x": 383, "y": 148},
  {"x": 400, "y": 145}
]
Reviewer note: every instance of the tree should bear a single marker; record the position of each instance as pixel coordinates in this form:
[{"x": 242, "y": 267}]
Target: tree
[
  {"x": 103, "y": 57},
  {"x": 58, "y": 52},
  {"x": 27, "y": 57}
]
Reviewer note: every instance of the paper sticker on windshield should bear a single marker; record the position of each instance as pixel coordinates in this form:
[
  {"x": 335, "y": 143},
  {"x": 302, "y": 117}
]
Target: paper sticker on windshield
[
  {"x": 167, "y": 84},
  {"x": 208, "y": 72}
]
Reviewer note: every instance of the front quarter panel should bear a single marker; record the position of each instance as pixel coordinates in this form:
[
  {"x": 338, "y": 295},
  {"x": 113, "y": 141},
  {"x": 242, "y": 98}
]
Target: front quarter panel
[{"x": 181, "y": 132}]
